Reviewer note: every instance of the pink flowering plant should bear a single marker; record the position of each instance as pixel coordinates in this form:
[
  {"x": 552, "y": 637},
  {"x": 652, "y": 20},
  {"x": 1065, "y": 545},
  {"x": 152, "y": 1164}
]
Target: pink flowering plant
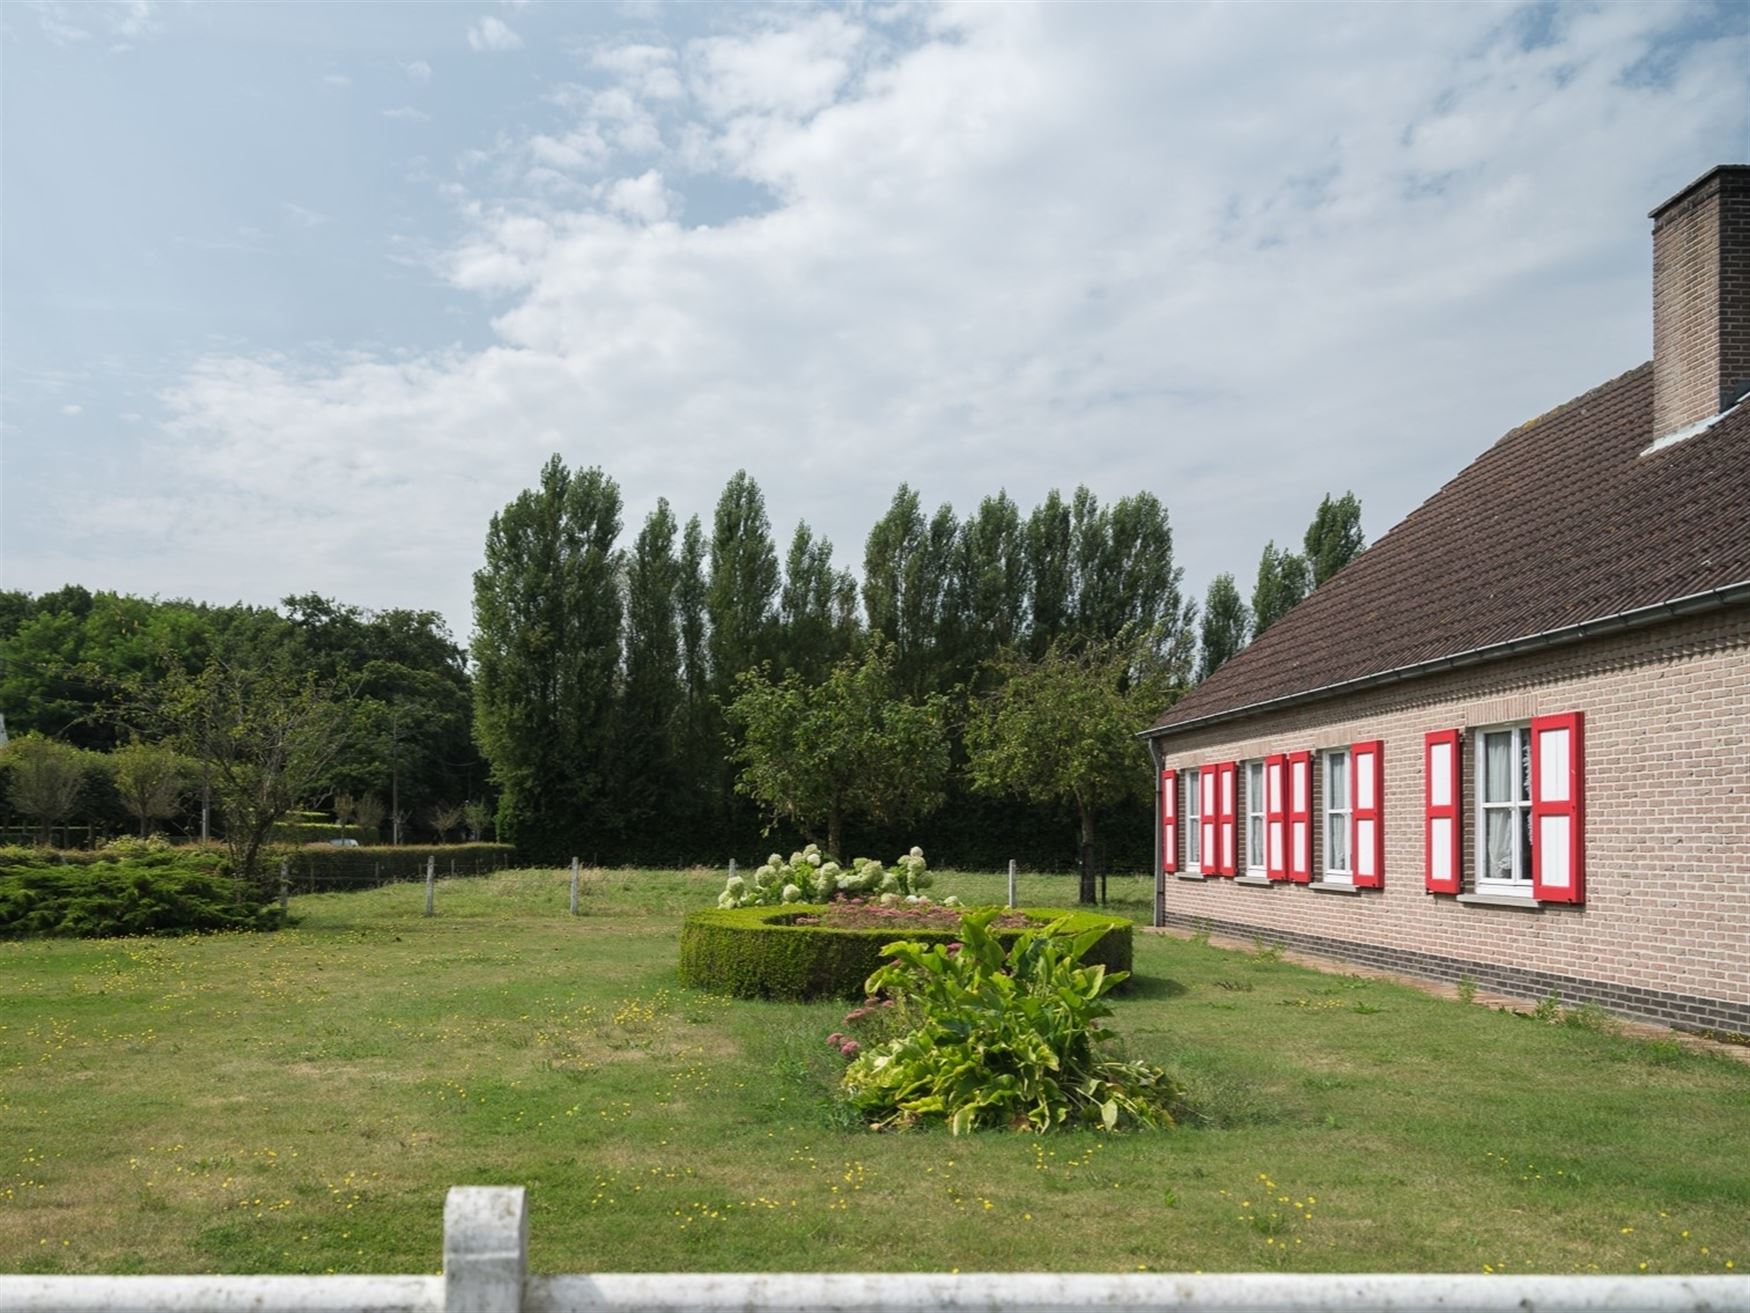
[{"x": 1004, "y": 1038}]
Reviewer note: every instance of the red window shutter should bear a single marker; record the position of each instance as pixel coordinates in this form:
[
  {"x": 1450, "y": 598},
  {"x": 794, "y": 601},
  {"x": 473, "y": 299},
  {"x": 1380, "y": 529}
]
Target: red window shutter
[
  {"x": 1275, "y": 817},
  {"x": 1300, "y": 817},
  {"x": 1209, "y": 818},
  {"x": 1229, "y": 809},
  {"x": 1558, "y": 841},
  {"x": 1169, "y": 821},
  {"x": 1367, "y": 813},
  {"x": 1442, "y": 787}
]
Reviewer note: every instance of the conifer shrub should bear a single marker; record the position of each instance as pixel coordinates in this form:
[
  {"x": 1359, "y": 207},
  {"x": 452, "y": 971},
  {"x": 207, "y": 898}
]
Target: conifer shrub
[
  {"x": 761, "y": 952},
  {"x": 156, "y": 893}
]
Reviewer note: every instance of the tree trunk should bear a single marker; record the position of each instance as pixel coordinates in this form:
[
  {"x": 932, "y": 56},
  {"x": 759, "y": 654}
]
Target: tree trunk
[
  {"x": 835, "y": 835},
  {"x": 1087, "y": 889}
]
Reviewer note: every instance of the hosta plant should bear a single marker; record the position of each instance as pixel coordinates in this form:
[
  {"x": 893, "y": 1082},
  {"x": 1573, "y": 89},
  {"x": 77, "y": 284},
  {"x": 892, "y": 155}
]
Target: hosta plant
[
  {"x": 809, "y": 877},
  {"x": 1005, "y": 1039}
]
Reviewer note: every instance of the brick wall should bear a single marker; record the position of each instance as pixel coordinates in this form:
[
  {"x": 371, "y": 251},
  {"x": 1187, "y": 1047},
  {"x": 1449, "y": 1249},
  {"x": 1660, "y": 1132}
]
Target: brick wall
[{"x": 1665, "y": 928}]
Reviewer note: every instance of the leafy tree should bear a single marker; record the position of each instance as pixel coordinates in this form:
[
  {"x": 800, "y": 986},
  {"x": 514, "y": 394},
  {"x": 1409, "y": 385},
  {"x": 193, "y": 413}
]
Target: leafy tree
[
  {"x": 369, "y": 811},
  {"x": 445, "y": 818},
  {"x": 46, "y": 780},
  {"x": 1225, "y": 624},
  {"x": 1334, "y": 537},
  {"x": 1062, "y": 729},
  {"x": 152, "y": 779},
  {"x": 346, "y": 810},
  {"x": 847, "y": 747},
  {"x": 478, "y": 816},
  {"x": 1282, "y": 582},
  {"x": 547, "y": 620},
  {"x": 266, "y": 739}
]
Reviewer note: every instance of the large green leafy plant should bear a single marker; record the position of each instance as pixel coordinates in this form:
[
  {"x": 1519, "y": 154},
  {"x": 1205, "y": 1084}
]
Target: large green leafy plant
[{"x": 1003, "y": 1038}]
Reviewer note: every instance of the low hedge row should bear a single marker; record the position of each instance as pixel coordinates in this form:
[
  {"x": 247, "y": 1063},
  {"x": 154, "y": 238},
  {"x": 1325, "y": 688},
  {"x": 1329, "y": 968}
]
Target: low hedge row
[
  {"x": 756, "y": 952},
  {"x": 158, "y": 894},
  {"x": 325, "y": 869}
]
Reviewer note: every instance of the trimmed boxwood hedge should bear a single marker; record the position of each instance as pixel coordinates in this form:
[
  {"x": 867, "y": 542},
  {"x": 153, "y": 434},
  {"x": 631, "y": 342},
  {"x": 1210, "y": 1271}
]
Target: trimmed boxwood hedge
[{"x": 756, "y": 952}]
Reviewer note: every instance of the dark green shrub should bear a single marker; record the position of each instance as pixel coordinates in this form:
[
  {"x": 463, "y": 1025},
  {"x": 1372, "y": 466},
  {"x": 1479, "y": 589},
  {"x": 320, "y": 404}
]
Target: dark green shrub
[
  {"x": 756, "y": 952},
  {"x": 156, "y": 894}
]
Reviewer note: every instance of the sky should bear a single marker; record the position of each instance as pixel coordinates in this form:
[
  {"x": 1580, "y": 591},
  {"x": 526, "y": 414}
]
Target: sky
[{"x": 294, "y": 297}]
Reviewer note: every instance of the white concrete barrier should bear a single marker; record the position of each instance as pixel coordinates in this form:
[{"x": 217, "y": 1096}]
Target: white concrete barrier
[{"x": 486, "y": 1244}]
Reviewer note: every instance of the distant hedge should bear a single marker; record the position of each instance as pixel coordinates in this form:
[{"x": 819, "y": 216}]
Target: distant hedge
[
  {"x": 756, "y": 952},
  {"x": 324, "y": 869},
  {"x": 156, "y": 894}
]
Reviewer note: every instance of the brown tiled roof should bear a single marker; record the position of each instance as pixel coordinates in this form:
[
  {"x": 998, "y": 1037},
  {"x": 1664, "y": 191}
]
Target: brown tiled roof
[{"x": 1561, "y": 522}]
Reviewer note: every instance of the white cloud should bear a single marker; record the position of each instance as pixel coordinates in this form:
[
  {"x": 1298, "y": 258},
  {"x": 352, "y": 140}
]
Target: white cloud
[
  {"x": 72, "y": 408},
  {"x": 788, "y": 70},
  {"x": 417, "y": 71},
  {"x": 1231, "y": 257},
  {"x": 337, "y": 79},
  {"x": 643, "y": 198},
  {"x": 493, "y": 34},
  {"x": 407, "y": 114}
]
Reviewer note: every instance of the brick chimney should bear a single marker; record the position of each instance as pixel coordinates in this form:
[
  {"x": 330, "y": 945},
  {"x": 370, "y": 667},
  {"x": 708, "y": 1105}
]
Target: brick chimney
[{"x": 1701, "y": 299}]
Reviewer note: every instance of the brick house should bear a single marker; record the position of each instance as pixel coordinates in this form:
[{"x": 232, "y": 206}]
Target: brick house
[{"x": 1511, "y": 740}]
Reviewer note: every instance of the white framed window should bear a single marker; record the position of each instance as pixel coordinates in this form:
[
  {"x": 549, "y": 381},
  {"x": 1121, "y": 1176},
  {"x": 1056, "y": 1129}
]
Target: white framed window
[
  {"x": 1193, "y": 820},
  {"x": 1337, "y": 808},
  {"x": 1504, "y": 833},
  {"x": 1255, "y": 818}
]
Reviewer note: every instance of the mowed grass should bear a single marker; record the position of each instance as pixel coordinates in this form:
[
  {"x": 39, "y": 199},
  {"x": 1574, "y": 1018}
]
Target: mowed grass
[{"x": 299, "y": 1102}]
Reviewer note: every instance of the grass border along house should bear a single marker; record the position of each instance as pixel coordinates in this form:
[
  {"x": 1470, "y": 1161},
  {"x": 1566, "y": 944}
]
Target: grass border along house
[{"x": 1511, "y": 741}]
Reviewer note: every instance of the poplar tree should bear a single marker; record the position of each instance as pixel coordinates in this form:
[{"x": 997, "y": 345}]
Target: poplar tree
[
  {"x": 906, "y": 565},
  {"x": 1225, "y": 621},
  {"x": 547, "y": 620},
  {"x": 817, "y": 608},
  {"x": 1334, "y": 537},
  {"x": 1282, "y": 583},
  {"x": 743, "y": 585},
  {"x": 652, "y": 711},
  {"x": 1050, "y": 571}
]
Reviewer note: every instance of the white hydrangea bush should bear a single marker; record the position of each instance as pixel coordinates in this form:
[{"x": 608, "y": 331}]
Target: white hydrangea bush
[{"x": 809, "y": 878}]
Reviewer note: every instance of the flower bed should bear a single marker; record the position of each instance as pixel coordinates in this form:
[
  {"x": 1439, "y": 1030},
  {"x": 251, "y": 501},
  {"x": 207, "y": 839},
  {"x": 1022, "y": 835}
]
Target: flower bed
[{"x": 763, "y": 952}]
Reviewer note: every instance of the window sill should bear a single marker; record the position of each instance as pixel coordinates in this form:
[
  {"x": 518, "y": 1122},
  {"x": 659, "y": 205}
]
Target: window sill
[
  {"x": 1191, "y": 875},
  {"x": 1257, "y": 882},
  {"x": 1332, "y": 887},
  {"x": 1501, "y": 900}
]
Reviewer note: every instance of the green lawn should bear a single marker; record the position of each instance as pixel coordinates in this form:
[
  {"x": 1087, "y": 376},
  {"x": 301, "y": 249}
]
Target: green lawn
[{"x": 298, "y": 1102}]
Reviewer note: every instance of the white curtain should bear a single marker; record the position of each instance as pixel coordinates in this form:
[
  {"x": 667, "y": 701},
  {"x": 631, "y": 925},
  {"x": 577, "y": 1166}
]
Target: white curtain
[{"x": 1498, "y": 787}]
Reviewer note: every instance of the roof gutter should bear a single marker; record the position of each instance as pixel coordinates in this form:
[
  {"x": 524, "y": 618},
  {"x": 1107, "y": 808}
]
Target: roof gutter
[{"x": 1713, "y": 599}]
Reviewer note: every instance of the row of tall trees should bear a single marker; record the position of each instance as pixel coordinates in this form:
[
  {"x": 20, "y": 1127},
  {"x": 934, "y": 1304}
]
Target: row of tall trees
[
  {"x": 605, "y": 676},
  {"x": 1285, "y": 577}
]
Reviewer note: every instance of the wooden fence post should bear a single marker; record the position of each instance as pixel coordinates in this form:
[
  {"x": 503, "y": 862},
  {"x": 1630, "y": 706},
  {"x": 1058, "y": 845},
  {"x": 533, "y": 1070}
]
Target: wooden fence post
[
  {"x": 430, "y": 883},
  {"x": 1011, "y": 882},
  {"x": 574, "y": 886}
]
